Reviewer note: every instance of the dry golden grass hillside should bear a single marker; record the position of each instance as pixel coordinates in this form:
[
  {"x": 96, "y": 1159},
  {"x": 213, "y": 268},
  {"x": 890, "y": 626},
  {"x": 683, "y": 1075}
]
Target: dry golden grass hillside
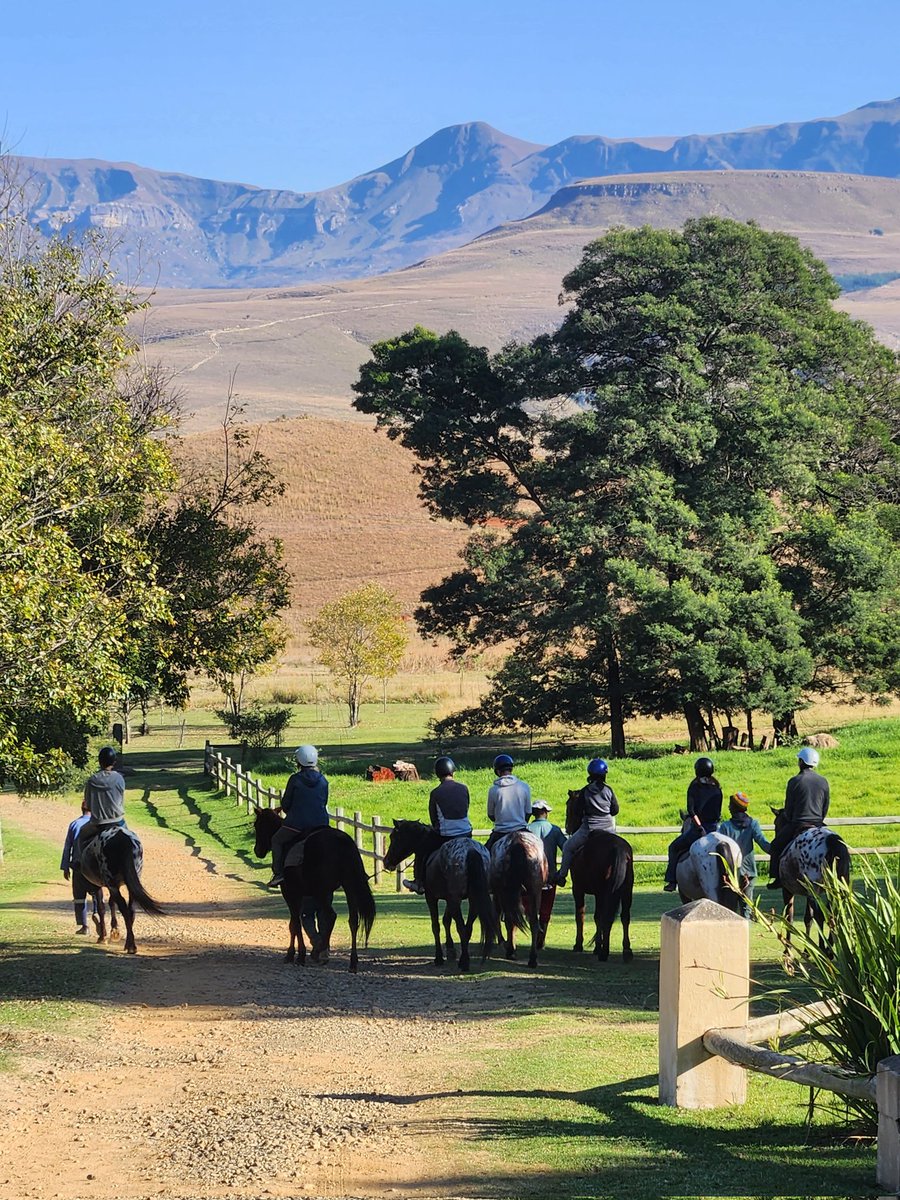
[{"x": 350, "y": 512}]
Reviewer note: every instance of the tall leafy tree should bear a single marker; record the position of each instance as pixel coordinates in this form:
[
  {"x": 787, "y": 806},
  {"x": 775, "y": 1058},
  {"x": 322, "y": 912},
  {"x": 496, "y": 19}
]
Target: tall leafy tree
[
  {"x": 658, "y": 472},
  {"x": 360, "y": 636}
]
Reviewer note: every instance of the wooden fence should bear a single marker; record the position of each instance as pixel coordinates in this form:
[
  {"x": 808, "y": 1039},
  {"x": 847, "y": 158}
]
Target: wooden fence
[
  {"x": 704, "y": 977},
  {"x": 369, "y": 836}
]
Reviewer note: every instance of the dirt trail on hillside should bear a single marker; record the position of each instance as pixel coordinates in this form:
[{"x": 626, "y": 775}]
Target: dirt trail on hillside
[{"x": 220, "y": 1071}]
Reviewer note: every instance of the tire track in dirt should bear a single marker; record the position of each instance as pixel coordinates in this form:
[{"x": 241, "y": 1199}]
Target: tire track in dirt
[{"x": 216, "y": 1070}]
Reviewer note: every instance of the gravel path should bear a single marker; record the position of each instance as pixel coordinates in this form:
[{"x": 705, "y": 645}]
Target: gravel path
[{"x": 220, "y": 1071}]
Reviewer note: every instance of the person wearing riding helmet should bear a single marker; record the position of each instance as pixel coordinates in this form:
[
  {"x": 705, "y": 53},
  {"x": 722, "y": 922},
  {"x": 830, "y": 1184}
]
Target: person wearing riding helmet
[
  {"x": 747, "y": 832},
  {"x": 104, "y": 793},
  {"x": 806, "y": 802},
  {"x": 448, "y": 812},
  {"x": 509, "y": 801},
  {"x": 597, "y": 806},
  {"x": 553, "y": 839},
  {"x": 304, "y": 805},
  {"x": 704, "y": 810}
]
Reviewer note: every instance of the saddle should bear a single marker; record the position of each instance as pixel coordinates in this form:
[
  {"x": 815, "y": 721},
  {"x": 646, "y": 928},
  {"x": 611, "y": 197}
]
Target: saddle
[{"x": 297, "y": 849}]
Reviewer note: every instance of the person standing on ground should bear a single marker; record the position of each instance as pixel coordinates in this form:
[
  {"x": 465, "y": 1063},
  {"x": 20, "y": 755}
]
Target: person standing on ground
[
  {"x": 509, "y": 801},
  {"x": 70, "y": 865},
  {"x": 448, "y": 813},
  {"x": 704, "y": 810},
  {"x": 104, "y": 794},
  {"x": 597, "y": 807},
  {"x": 806, "y": 803},
  {"x": 305, "y": 808},
  {"x": 554, "y": 839},
  {"x": 747, "y": 832}
]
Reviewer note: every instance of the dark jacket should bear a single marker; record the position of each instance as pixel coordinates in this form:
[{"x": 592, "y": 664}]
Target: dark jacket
[
  {"x": 305, "y": 799},
  {"x": 598, "y": 806},
  {"x": 448, "y": 808},
  {"x": 704, "y": 800},
  {"x": 807, "y": 798}
]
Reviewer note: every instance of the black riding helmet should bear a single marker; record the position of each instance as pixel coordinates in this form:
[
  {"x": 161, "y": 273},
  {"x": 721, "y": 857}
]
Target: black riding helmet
[
  {"x": 703, "y": 768},
  {"x": 107, "y": 757},
  {"x": 444, "y": 766}
]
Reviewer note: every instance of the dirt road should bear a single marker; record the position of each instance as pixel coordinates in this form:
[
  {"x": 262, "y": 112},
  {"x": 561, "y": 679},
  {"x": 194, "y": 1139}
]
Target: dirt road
[{"x": 219, "y": 1071}]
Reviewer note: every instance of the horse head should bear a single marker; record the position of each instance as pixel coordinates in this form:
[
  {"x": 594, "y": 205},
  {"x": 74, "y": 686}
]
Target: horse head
[
  {"x": 573, "y": 816},
  {"x": 266, "y": 823},
  {"x": 780, "y": 821},
  {"x": 403, "y": 842}
]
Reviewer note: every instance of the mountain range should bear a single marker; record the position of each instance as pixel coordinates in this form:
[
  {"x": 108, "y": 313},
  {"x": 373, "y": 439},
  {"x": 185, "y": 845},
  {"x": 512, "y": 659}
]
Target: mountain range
[{"x": 175, "y": 230}]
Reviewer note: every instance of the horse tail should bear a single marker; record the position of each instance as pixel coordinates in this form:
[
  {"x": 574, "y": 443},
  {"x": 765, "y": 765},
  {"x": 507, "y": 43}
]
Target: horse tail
[
  {"x": 355, "y": 883},
  {"x": 514, "y": 879},
  {"x": 137, "y": 893},
  {"x": 480, "y": 899},
  {"x": 621, "y": 869},
  {"x": 837, "y": 856},
  {"x": 726, "y": 867}
]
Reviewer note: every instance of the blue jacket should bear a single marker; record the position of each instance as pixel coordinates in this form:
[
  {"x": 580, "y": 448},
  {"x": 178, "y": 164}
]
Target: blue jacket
[
  {"x": 551, "y": 835},
  {"x": 305, "y": 799},
  {"x": 69, "y": 862},
  {"x": 746, "y": 831}
]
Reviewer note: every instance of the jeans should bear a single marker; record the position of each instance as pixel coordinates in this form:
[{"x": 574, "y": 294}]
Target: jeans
[{"x": 680, "y": 846}]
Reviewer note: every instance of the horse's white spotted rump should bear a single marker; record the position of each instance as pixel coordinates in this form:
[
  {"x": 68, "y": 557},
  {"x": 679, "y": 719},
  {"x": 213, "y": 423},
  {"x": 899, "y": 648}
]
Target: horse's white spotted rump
[
  {"x": 804, "y": 859},
  {"x": 700, "y": 874},
  {"x": 453, "y": 855},
  {"x": 533, "y": 846}
]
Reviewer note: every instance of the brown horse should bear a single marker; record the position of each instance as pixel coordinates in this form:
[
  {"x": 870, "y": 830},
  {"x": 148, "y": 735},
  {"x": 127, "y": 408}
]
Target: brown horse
[
  {"x": 518, "y": 874},
  {"x": 330, "y": 861},
  {"x": 604, "y": 869}
]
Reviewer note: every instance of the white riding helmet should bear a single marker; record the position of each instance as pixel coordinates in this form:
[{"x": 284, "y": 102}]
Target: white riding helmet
[
  {"x": 809, "y": 757},
  {"x": 306, "y": 756}
]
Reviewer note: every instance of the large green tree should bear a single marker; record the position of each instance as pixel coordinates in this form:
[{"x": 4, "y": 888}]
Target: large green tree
[{"x": 695, "y": 481}]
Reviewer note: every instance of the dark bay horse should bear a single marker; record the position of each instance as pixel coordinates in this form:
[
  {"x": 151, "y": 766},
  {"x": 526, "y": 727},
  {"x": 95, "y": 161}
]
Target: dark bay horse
[
  {"x": 114, "y": 859},
  {"x": 604, "y": 869},
  {"x": 457, "y": 870},
  {"x": 803, "y": 865},
  {"x": 518, "y": 874},
  {"x": 331, "y": 860}
]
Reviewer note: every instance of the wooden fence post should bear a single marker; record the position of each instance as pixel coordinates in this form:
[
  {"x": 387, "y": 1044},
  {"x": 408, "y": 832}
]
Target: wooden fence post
[
  {"x": 357, "y": 830},
  {"x": 887, "y": 1088},
  {"x": 339, "y": 818},
  {"x": 228, "y": 769},
  {"x": 704, "y": 982},
  {"x": 378, "y": 849}
]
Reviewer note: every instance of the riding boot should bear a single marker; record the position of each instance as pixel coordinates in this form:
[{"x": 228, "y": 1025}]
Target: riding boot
[{"x": 80, "y": 916}]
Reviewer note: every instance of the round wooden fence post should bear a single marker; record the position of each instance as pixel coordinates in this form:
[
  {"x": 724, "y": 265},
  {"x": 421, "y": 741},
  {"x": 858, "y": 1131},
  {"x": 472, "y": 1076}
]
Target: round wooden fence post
[
  {"x": 887, "y": 1089},
  {"x": 704, "y": 983},
  {"x": 339, "y": 818},
  {"x": 357, "y": 830},
  {"x": 378, "y": 848}
]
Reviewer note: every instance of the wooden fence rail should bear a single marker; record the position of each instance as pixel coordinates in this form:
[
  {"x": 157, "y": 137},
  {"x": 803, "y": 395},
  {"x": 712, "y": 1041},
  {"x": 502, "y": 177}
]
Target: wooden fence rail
[{"x": 370, "y": 835}]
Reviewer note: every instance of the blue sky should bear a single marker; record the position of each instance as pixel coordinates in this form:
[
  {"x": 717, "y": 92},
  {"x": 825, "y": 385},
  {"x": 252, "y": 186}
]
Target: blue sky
[{"x": 303, "y": 95}]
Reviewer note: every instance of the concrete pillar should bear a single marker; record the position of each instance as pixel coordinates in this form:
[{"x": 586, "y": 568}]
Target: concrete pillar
[
  {"x": 887, "y": 1089},
  {"x": 704, "y": 983}
]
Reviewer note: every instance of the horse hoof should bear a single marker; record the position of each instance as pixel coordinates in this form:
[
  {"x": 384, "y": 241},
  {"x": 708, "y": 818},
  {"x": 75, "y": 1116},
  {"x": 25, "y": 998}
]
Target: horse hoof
[
  {"x": 115, "y": 935},
  {"x": 131, "y": 949},
  {"x": 627, "y": 956},
  {"x": 603, "y": 957},
  {"x": 289, "y": 957},
  {"x": 451, "y": 954},
  {"x": 438, "y": 962},
  {"x": 532, "y": 962},
  {"x": 578, "y": 948},
  {"x": 101, "y": 941},
  {"x": 323, "y": 957}
]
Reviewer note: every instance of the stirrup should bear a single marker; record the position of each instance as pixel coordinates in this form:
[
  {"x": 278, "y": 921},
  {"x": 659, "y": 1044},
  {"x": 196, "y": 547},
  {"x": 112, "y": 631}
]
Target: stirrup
[
  {"x": 413, "y": 886},
  {"x": 275, "y": 881}
]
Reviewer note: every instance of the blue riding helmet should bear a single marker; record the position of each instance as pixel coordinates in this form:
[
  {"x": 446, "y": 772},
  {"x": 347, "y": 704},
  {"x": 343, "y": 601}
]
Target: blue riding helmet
[
  {"x": 502, "y": 762},
  {"x": 598, "y": 766}
]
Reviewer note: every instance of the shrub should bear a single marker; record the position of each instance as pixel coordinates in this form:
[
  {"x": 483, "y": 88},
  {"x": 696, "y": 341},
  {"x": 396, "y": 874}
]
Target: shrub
[{"x": 259, "y": 725}]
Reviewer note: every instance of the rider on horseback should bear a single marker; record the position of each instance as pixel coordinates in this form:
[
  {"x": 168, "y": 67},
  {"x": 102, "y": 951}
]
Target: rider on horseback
[
  {"x": 597, "y": 805},
  {"x": 304, "y": 805},
  {"x": 509, "y": 801},
  {"x": 448, "y": 812},
  {"x": 805, "y": 807},
  {"x": 704, "y": 808},
  {"x": 104, "y": 793}
]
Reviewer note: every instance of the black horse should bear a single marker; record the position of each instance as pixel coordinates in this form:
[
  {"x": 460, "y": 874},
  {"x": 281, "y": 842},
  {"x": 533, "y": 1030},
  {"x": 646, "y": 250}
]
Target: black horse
[
  {"x": 114, "y": 859},
  {"x": 457, "y": 870},
  {"x": 604, "y": 869},
  {"x": 331, "y": 860}
]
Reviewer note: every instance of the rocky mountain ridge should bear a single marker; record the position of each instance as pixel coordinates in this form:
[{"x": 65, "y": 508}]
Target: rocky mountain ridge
[{"x": 177, "y": 230}]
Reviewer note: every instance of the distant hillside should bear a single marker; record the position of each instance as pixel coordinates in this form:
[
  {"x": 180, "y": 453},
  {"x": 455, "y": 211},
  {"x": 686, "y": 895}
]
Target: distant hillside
[
  {"x": 464, "y": 180},
  {"x": 298, "y": 350}
]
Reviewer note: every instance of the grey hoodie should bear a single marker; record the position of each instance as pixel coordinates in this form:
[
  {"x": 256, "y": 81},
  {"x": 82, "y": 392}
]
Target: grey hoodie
[
  {"x": 105, "y": 792},
  {"x": 509, "y": 804}
]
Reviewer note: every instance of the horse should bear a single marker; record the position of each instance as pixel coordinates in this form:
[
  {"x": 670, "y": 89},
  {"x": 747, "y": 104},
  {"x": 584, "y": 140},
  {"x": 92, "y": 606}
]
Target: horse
[
  {"x": 802, "y": 867},
  {"x": 330, "y": 860},
  {"x": 706, "y": 870},
  {"x": 113, "y": 859},
  {"x": 604, "y": 869},
  {"x": 457, "y": 870},
  {"x": 518, "y": 874}
]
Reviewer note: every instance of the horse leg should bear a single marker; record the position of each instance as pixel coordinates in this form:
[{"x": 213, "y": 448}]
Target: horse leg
[
  {"x": 625, "y": 916},
  {"x": 354, "y": 932},
  {"x": 99, "y": 917},
  {"x": 435, "y": 929},
  {"x": 327, "y": 918},
  {"x": 126, "y": 908},
  {"x": 295, "y": 925},
  {"x": 448, "y": 934},
  {"x": 462, "y": 928},
  {"x": 602, "y": 926},
  {"x": 114, "y": 934},
  {"x": 578, "y": 897},
  {"x": 788, "y": 916},
  {"x": 533, "y": 904},
  {"x": 292, "y": 931}
]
